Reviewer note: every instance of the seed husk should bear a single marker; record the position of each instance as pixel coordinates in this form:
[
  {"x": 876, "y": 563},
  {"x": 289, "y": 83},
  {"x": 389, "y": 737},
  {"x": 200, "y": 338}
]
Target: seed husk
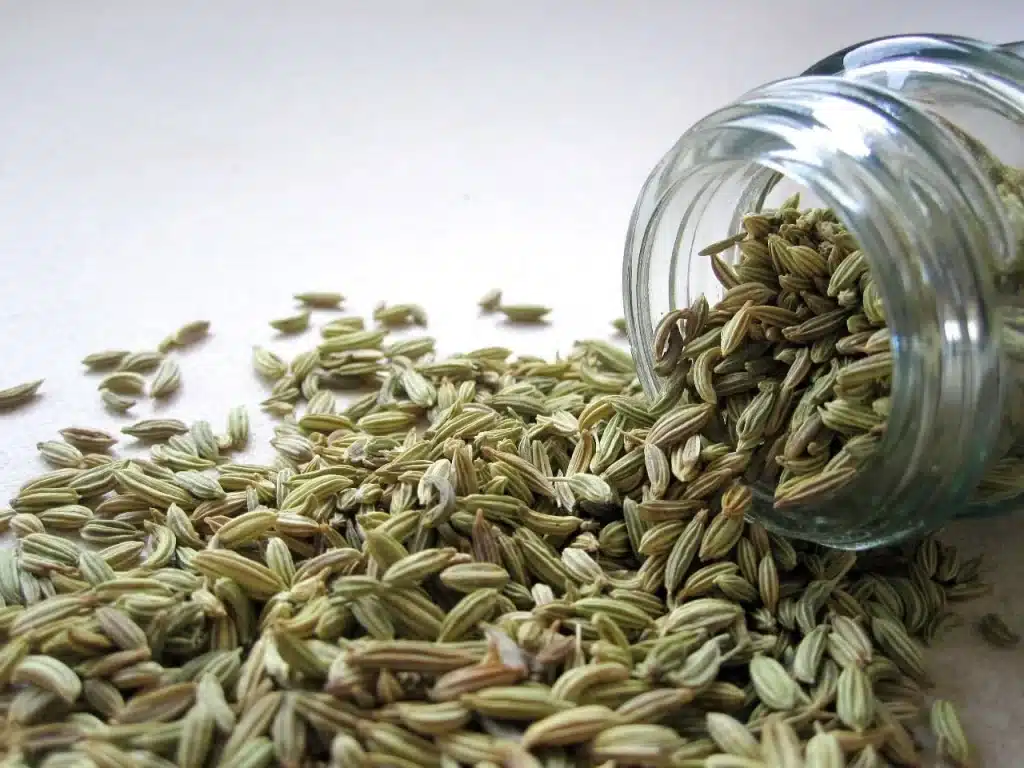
[
  {"x": 157, "y": 430},
  {"x": 167, "y": 379},
  {"x": 88, "y": 439},
  {"x": 115, "y": 402},
  {"x": 124, "y": 383},
  {"x": 19, "y": 394},
  {"x": 256, "y": 579},
  {"x": 60, "y": 454},
  {"x": 514, "y": 702},
  {"x": 773, "y": 684},
  {"x": 949, "y": 733},
  {"x": 900, "y": 646},
  {"x": 105, "y": 359},
  {"x": 398, "y": 315},
  {"x": 524, "y": 313},
  {"x": 410, "y": 656},
  {"x": 292, "y": 324},
  {"x": 855, "y": 702},
  {"x": 572, "y": 726},
  {"x": 732, "y": 736},
  {"x": 490, "y": 301},
  {"x": 268, "y": 364},
  {"x": 468, "y": 577},
  {"x": 49, "y": 674},
  {"x": 320, "y": 299},
  {"x": 141, "y": 362}
]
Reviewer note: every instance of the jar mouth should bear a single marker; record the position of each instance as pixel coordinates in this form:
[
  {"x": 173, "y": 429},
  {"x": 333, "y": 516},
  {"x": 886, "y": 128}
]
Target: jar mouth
[{"x": 888, "y": 170}]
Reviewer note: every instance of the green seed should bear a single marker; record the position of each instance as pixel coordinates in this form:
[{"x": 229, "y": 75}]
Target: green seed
[
  {"x": 292, "y": 324},
  {"x": 19, "y": 394},
  {"x": 87, "y": 439},
  {"x": 99, "y": 361},
  {"x": 490, "y": 301},
  {"x": 949, "y": 733},
  {"x": 320, "y": 299},
  {"x": 166, "y": 380},
  {"x": 267, "y": 364},
  {"x": 115, "y": 402},
  {"x": 524, "y": 313}
]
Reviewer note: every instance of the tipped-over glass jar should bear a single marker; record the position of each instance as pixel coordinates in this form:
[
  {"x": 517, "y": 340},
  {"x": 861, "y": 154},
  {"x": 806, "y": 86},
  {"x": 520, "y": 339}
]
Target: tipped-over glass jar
[{"x": 912, "y": 149}]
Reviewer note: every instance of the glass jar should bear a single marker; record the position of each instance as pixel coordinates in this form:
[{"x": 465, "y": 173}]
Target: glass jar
[{"x": 908, "y": 140}]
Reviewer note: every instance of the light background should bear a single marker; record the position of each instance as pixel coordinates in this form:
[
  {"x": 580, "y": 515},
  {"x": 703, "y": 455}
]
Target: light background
[{"x": 165, "y": 161}]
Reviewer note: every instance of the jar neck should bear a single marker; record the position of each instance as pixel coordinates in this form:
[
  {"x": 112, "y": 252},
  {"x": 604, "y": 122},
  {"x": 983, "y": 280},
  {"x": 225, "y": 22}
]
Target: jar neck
[{"x": 930, "y": 225}]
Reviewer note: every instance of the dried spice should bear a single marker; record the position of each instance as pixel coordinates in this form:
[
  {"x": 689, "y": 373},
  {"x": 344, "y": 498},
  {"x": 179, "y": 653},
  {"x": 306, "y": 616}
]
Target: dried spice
[{"x": 485, "y": 560}]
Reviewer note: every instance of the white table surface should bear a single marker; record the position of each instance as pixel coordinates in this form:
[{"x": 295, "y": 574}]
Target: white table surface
[{"x": 170, "y": 160}]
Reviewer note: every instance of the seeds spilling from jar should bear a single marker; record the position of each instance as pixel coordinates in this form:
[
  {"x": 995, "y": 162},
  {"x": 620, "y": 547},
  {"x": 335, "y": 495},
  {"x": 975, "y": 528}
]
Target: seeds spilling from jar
[
  {"x": 479, "y": 560},
  {"x": 795, "y": 357}
]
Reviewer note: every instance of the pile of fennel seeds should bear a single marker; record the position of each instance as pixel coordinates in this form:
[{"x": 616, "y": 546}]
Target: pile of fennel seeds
[{"x": 483, "y": 560}]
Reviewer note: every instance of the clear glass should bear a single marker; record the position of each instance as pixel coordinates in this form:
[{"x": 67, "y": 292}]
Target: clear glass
[{"x": 886, "y": 133}]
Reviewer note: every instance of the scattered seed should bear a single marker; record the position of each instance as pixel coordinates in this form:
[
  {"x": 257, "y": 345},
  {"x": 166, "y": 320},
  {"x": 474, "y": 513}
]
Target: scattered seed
[
  {"x": 141, "y": 362},
  {"x": 490, "y": 301},
  {"x": 19, "y": 394},
  {"x": 320, "y": 299},
  {"x": 115, "y": 402},
  {"x": 292, "y": 324},
  {"x": 997, "y": 632},
  {"x": 186, "y": 335},
  {"x": 166, "y": 380},
  {"x": 524, "y": 313},
  {"x": 87, "y": 439},
  {"x": 105, "y": 360}
]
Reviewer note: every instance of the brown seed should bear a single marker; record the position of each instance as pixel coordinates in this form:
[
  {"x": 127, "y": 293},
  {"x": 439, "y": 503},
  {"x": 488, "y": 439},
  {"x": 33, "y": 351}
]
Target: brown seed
[
  {"x": 452, "y": 685},
  {"x": 573, "y": 726}
]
